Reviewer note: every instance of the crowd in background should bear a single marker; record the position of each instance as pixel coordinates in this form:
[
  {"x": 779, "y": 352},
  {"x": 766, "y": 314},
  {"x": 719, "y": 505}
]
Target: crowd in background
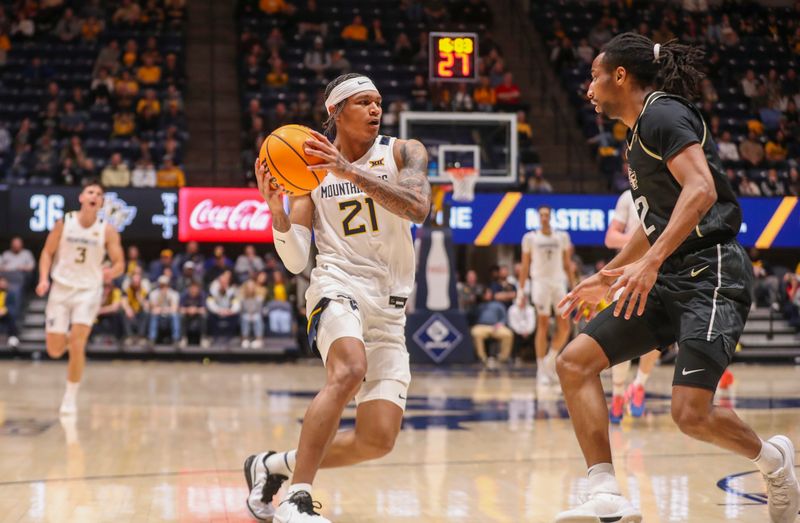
[{"x": 92, "y": 88}]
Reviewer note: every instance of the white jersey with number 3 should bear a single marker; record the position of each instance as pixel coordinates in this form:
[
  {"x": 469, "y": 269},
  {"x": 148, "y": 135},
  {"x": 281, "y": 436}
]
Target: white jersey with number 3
[
  {"x": 80, "y": 255},
  {"x": 547, "y": 251},
  {"x": 363, "y": 248}
]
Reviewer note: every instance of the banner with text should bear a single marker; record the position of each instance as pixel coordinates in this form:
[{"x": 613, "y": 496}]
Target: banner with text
[
  {"x": 138, "y": 214},
  {"x": 213, "y": 214},
  {"x": 503, "y": 218}
]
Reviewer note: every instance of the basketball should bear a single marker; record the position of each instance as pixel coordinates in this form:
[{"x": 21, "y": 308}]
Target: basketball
[{"x": 288, "y": 162}]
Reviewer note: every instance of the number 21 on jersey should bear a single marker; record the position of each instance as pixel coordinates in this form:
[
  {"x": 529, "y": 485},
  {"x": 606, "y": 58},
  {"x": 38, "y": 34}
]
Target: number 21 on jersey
[
  {"x": 643, "y": 207},
  {"x": 354, "y": 208}
]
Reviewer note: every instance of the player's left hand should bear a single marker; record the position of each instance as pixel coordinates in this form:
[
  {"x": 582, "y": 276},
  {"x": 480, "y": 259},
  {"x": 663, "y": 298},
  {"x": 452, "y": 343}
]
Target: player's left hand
[
  {"x": 335, "y": 161},
  {"x": 637, "y": 278}
]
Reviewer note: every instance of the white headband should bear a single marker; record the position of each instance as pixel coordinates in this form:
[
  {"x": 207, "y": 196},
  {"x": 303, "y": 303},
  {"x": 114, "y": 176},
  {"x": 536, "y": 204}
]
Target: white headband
[
  {"x": 348, "y": 88},
  {"x": 657, "y": 51}
]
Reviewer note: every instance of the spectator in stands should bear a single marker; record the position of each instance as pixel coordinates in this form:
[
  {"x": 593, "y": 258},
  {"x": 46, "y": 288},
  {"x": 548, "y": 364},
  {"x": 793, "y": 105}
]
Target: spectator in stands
[
  {"x": 772, "y": 185},
  {"x": 403, "y": 50},
  {"x": 150, "y": 100},
  {"x": 765, "y": 291},
  {"x": 164, "y": 303},
  {"x": 435, "y": 12},
  {"x": 750, "y": 84},
  {"x": 600, "y": 34},
  {"x": 144, "y": 174},
  {"x": 469, "y": 291},
  {"x": 748, "y": 187},
  {"x": 223, "y": 306},
  {"x": 356, "y": 30},
  {"x": 130, "y": 54},
  {"x": 124, "y": 124},
  {"x": 485, "y": 96},
  {"x": 108, "y": 58},
  {"x": 24, "y": 28},
  {"x": 279, "y": 290},
  {"x": 317, "y": 59},
  {"x": 68, "y": 27},
  {"x": 734, "y": 180},
  {"x": 564, "y": 55},
  {"x": 135, "y": 308},
  {"x": 109, "y": 315},
  {"x": 45, "y": 158},
  {"x": 133, "y": 261},
  {"x": 503, "y": 290},
  {"x": 491, "y": 323},
  {"x": 280, "y": 116},
  {"x": 116, "y": 173},
  {"x": 248, "y": 264},
  {"x": 274, "y": 7},
  {"x": 420, "y": 94},
  {"x": 252, "y": 74},
  {"x": 171, "y": 72},
  {"x": 127, "y": 14},
  {"x": 462, "y": 99},
  {"x": 102, "y": 84},
  {"x": 193, "y": 254},
  {"x": 497, "y": 73},
  {"x": 165, "y": 261},
  {"x": 91, "y": 29},
  {"x": 193, "y": 314},
  {"x": 663, "y": 34},
  {"x": 7, "y": 316},
  {"x": 170, "y": 175},
  {"x": 537, "y": 183},
  {"x": 776, "y": 150},
  {"x": 251, "y": 318},
  {"x": 72, "y": 121},
  {"x": 277, "y": 77},
  {"x": 217, "y": 264},
  {"x": 508, "y": 94},
  {"x": 17, "y": 258},
  {"x": 727, "y": 149},
  {"x": 751, "y": 150},
  {"x": 313, "y": 21},
  {"x": 152, "y": 15},
  {"x": 585, "y": 52},
  {"x": 793, "y": 188},
  {"x": 149, "y": 73},
  {"x": 709, "y": 93},
  {"x": 376, "y": 33},
  {"x": 187, "y": 276},
  {"x": 391, "y": 118},
  {"x": 339, "y": 63}
]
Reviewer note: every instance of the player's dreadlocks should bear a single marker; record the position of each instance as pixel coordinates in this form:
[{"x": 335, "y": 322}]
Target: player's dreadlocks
[
  {"x": 671, "y": 67},
  {"x": 329, "y": 126}
]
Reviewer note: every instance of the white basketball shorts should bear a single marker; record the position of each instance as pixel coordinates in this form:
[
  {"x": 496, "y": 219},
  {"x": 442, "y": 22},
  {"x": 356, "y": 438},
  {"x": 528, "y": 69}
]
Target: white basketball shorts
[
  {"x": 546, "y": 294},
  {"x": 69, "y": 305}
]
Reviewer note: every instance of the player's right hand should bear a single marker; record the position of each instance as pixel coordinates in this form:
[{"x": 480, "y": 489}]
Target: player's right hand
[
  {"x": 42, "y": 288},
  {"x": 585, "y": 297},
  {"x": 270, "y": 190}
]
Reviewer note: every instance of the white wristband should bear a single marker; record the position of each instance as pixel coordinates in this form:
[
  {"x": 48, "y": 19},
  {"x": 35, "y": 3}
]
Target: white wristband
[{"x": 293, "y": 247}]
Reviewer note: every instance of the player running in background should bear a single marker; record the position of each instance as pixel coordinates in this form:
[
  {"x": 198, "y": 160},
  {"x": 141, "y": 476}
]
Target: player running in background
[{"x": 73, "y": 257}]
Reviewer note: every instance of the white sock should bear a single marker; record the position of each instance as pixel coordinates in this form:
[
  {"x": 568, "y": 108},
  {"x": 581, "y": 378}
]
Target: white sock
[
  {"x": 641, "y": 378},
  {"x": 282, "y": 463},
  {"x": 619, "y": 373},
  {"x": 72, "y": 390},
  {"x": 297, "y": 487},
  {"x": 769, "y": 459},
  {"x": 602, "y": 479},
  {"x": 539, "y": 363}
]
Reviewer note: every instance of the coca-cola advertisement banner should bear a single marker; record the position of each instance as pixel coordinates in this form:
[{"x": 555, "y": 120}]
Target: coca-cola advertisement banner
[{"x": 213, "y": 214}]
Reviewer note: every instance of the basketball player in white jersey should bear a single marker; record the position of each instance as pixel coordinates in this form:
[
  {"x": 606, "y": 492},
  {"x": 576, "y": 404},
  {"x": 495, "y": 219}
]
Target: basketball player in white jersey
[
  {"x": 547, "y": 259},
  {"x": 620, "y": 231},
  {"x": 73, "y": 257},
  {"x": 361, "y": 215}
]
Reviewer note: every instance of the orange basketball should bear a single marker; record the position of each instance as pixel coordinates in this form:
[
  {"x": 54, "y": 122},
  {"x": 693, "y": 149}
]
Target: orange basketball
[{"x": 288, "y": 162}]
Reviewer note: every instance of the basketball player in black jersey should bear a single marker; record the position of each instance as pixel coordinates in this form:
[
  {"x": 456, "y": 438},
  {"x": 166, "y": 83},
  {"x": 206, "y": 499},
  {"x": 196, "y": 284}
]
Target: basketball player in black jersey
[{"x": 685, "y": 277}]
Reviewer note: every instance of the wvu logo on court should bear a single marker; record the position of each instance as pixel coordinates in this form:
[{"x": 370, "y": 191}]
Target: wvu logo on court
[
  {"x": 376, "y": 163},
  {"x": 117, "y": 212}
]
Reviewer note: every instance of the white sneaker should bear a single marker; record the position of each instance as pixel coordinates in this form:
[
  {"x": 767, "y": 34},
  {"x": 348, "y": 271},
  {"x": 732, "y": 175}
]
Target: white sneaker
[
  {"x": 549, "y": 364},
  {"x": 602, "y": 508},
  {"x": 782, "y": 488},
  {"x": 299, "y": 508},
  {"x": 491, "y": 363},
  {"x": 13, "y": 342},
  {"x": 262, "y": 485},
  {"x": 257, "y": 344},
  {"x": 245, "y": 343},
  {"x": 68, "y": 407}
]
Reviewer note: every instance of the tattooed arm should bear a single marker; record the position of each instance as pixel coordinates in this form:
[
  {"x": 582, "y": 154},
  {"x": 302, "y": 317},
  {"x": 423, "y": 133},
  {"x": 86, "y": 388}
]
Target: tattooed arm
[{"x": 409, "y": 198}]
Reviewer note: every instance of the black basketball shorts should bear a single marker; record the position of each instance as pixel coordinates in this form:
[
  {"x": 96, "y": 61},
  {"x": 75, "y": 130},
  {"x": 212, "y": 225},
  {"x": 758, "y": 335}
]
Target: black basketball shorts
[{"x": 701, "y": 300}]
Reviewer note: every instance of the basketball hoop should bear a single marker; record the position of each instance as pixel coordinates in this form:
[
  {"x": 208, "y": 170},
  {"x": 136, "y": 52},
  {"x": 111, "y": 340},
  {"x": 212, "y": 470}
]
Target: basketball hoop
[{"x": 464, "y": 180}]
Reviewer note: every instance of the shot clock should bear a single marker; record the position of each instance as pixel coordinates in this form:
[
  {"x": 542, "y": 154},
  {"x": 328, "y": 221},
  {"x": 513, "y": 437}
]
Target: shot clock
[{"x": 453, "y": 57}]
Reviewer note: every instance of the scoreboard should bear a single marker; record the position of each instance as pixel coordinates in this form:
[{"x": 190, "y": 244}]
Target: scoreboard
[{"x": 453, "y": 57}]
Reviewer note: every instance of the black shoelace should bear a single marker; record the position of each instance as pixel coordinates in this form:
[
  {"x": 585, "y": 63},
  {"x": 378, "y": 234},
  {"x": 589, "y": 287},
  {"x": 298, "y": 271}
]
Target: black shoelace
[
  {"x": 272, "y": 486},
  {"x": 302, "y": 500}
]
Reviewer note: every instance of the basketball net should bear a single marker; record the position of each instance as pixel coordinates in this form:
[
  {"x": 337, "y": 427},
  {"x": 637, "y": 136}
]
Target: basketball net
[{"x": 464, "y": 180}]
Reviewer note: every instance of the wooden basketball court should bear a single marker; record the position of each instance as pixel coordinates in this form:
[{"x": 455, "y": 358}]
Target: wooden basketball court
[{"x": 166, "y": 442}]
